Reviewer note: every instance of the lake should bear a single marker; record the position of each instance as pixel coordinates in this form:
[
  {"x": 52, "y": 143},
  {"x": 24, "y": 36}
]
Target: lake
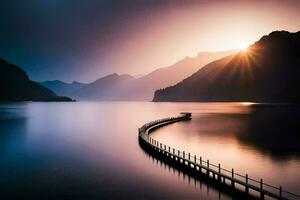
[{"x": 90, "y": 150}]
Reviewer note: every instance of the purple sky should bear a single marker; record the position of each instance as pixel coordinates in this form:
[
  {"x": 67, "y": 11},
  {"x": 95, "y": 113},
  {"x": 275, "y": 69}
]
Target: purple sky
[{"x": 86, "y": 39}]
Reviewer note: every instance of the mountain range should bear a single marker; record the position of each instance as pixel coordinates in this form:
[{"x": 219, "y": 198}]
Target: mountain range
[
  {"x": 62, "y": 88},
  {"x": 15, "y": 85},
  {"x": 109, "y": 88},
  {"x": 116, "y": 87},
  {"x": 268, "y": 71}
]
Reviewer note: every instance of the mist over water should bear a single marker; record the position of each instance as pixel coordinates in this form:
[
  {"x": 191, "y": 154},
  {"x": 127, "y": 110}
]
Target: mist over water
[{"x": 90, "y": 149}]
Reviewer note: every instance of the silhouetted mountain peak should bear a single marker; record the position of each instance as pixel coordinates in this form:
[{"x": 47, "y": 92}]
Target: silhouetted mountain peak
[
  {"x": 15, "y": 85},
  {"x": 76, "y": 82},
  {"x": 57, "y": 82},
  {"x": 114, "y": 76},
  {"x": 9, "y": 70},
  {"x": 127, "y": 76},
  {"x": 277, "y": 38},
  {"x": 268, "y": 71}
]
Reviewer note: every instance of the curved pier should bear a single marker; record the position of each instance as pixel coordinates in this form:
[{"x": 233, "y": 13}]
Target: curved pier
[{"x": 228, "y": 180}]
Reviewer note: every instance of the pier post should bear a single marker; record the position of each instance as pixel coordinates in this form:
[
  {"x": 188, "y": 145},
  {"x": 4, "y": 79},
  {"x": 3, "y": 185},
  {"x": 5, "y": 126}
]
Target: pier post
[
  {"x": 232, "y": 176},
  {"x": 200, "y": 166},
  {"x": 219, "y": 175},
  {"x": 189, "y": 156},
  {"x": 246, "y": 187},
  {"x": 169, "y": 149},
  {"x": 183, "y": 154},
  {"x": 262, "y": 196},
  {"x": 174, "y": 151},
  {"x": 280, "y": 191},
  {"x": 195, "y": 159},
  {"x": 208, "y": 168}
]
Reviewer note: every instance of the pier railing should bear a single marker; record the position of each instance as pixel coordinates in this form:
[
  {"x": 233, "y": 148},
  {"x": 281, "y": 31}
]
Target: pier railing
[{"x": 211, "y": 170}]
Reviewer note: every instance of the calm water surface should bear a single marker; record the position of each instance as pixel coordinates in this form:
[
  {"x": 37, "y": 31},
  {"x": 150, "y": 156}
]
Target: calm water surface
[{"x": 91, "y": 151}]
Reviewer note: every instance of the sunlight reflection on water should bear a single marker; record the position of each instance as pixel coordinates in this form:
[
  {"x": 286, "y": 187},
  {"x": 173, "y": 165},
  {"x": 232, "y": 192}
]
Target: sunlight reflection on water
[{"x": 90, "y": 149}]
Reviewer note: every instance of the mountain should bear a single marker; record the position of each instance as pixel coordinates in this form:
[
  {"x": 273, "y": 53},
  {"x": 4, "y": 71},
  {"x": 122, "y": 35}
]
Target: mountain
[
  {"x": 267, "y": 72},
  {"x": 15, "y": 85},
  {"x": 108, "y": 88},
  {"x": 62, "y": 88},
  {"x": 127, "y": 88},
  {"x": 143, "y": 88}
]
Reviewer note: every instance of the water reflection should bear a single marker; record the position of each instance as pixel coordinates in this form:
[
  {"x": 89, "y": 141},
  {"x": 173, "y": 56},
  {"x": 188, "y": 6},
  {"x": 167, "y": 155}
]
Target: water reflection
[
  {"x": 198, "y": 181},
  {"x": 90, "y": 150},
  {"x": 273, "y": 129},
  {"x": 12, "y": 129},
  {"x": 261, "y": 140},
  {"x": 84, "y": 150}
]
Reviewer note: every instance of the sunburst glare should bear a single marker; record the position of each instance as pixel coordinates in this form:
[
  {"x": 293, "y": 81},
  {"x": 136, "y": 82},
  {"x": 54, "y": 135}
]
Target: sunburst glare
[{"x": 244, "y": 45}]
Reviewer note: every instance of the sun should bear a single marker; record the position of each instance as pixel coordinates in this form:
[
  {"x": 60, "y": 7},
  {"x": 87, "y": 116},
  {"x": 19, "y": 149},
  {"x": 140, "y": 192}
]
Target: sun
[{"x": 244, "y": 46}]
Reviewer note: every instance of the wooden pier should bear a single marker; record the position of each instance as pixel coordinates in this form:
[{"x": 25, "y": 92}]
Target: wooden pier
[{"x": 215, "y": 173}]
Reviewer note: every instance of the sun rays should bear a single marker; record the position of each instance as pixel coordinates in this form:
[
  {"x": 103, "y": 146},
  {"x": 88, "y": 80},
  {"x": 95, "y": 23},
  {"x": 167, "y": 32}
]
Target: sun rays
[{"x": 244, "y": 46}]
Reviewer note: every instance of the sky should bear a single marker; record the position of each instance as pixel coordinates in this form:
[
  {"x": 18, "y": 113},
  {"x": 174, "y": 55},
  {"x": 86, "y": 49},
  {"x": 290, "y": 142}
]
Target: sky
[{"x": 86, "y": 39}]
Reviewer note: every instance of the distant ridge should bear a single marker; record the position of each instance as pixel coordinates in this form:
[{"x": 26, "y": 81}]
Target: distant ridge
[
  {"x": 144, "y": 87},
  {"x": 116, "y": 87},
  {"x": 107, "y": 88},
  {"x": 62, "y": 88},
  {"x": 268, "y": 71},
  {"x": 15, "y": 85}
]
